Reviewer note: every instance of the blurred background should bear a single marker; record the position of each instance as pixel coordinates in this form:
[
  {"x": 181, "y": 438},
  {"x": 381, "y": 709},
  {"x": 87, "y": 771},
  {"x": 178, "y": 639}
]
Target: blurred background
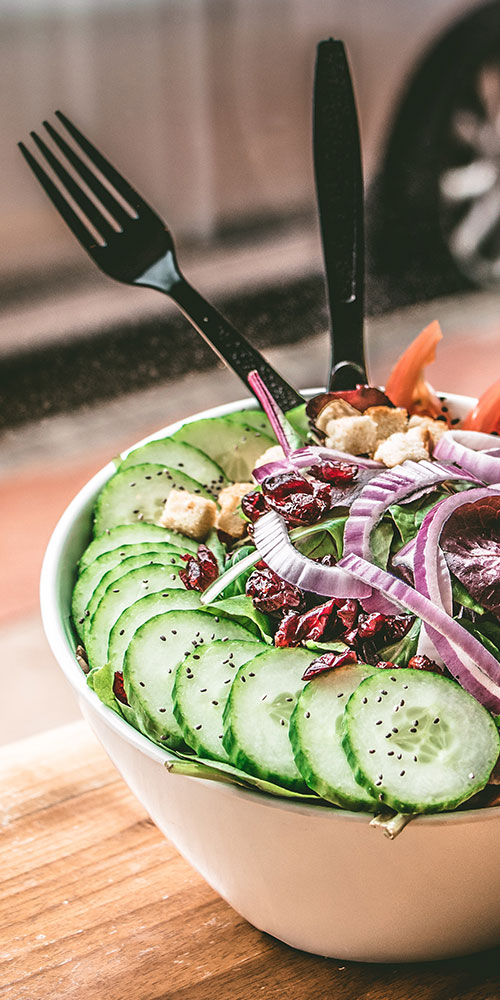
[{"x": 206, "y": 106}]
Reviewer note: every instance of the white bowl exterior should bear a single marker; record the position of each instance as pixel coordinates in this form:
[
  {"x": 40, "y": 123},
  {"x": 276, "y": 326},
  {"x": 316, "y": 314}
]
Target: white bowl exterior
[{"x": 317, "y": 878}]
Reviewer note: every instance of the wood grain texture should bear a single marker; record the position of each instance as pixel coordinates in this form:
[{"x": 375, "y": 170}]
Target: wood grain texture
[{"x": 96, "y": 904}]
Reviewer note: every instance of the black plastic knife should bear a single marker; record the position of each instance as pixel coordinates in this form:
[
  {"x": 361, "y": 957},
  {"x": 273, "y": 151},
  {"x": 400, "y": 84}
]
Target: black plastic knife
[{"x": 339, "y": 189}]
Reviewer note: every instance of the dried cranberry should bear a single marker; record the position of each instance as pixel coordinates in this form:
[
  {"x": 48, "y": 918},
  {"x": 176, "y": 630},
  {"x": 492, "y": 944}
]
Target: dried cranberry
[
  {"x": 348, "y": 613},
  {"x": 119, "y": 688},
  {"x": 335, "y": 473},
  {"x": 201, "y": 570},
  {"x": 421, "y": 662},
  {"x": 369, "y": 625},
  {"x": 396, "y": 626},
  {"x": 385, "y": 665},
  {"x": 253, "y": 505},
  {"x": 297, "y": 499},
  {"x": 327, "y": 662},
  {"x": 294, "y": 628},
  {"x": 270, "y": 593}
]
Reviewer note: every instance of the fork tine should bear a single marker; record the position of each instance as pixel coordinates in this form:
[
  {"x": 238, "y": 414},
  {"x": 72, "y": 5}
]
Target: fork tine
[
  {"x": 103, "y": 193},
  {"x": 87, "y": 206},
  {"x": 107, "y": 169},
  {"x": 70, "y": 217}
]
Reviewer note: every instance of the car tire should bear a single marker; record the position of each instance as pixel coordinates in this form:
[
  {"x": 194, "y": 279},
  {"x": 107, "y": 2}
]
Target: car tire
[{"x": 434, "y": 218}]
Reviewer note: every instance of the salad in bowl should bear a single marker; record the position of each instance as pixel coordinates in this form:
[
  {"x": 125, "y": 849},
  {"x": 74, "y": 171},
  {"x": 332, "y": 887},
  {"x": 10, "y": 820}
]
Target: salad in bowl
[{"x": 302, "y": 610}]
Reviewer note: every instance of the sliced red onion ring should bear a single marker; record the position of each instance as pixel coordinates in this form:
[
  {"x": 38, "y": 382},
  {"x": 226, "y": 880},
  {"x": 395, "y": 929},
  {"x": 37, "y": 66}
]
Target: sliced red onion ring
[
  {"x": 379, "y": 494},
  {"x": 302, "y": 458},
  {"x": 467, "y": 660},
  {"x": 471, "y": 450},
  {"x": 273, "y": 542},
  {"x": 262, "y": 472}
]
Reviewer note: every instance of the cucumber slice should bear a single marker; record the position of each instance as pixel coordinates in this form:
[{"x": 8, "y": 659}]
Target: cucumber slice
[
  {"x": 234, "y": 446},
  {"x": 93, "y": 574},
  {"x": 140, "y": 612},
  {"x": 256, "y": 720},
  {"x": 152, "y": 658},
  {"x": 418, "y": 741},
  {"x": 120, "y": 595},
  {"x": 177, "y": 455},
  {"x": 138, "y": 494},
  {"x": 316, "y": 737},
  {"x": 128, "y": 534},
  {"x": 252, "y": 418},
  {"x": 201, "y": 688},
  {"x": 166, "y": 558}
]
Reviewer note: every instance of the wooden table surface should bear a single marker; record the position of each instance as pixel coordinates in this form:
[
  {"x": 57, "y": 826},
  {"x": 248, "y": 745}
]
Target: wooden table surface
[{"x": 96, "y": 904}]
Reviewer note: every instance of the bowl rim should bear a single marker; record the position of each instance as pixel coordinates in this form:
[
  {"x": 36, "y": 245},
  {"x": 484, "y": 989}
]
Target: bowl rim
[{"x": 65, "y": 657}]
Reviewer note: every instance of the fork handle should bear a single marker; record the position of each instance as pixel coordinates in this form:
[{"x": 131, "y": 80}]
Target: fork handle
[{"x": 230, "y": 345}]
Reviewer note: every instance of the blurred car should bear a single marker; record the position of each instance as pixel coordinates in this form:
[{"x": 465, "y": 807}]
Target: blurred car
[{"x": 428, "y": 86}]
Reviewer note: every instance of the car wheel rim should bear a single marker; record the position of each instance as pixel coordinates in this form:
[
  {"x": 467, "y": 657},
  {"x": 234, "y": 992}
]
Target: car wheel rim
[{"x": 469, "y": 179}]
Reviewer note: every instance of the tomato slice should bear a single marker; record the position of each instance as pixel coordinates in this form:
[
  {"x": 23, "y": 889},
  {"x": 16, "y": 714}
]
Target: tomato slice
[
  {"x": 406, "y": 385},
  {"x": 485, "y": 415}
]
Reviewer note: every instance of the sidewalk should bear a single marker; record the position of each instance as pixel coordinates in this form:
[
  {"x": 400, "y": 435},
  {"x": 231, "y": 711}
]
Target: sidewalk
[{"x": 42, "y": 467}]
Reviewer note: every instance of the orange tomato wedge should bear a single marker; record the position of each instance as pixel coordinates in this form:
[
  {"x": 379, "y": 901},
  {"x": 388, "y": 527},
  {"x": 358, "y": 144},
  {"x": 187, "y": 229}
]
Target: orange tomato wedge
[
  {"x": 485, "y": 415},
  {"x": 406, "y": 385}
]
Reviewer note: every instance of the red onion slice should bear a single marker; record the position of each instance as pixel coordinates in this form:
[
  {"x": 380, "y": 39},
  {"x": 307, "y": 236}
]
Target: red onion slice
[
  {"x": 273, "y": 542},
  {"x": 471, "y": 450},
  {"x": 467, "y": 660},
  {"x": 304, "y": 457},
  {"x": 379, "y": 494}
]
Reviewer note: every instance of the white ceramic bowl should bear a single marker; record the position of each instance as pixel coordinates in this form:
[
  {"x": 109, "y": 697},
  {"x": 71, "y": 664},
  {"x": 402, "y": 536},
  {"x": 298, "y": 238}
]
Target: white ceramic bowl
[{"x": 320, "y": 879}]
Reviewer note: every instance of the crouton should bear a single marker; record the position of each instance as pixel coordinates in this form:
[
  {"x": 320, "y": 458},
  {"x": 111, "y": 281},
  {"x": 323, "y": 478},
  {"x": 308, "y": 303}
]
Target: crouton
[
  {"x": 334, "y": 410},
  {"x": 191, "y": 515},
  {"x": 401, "y": 447},
  {"x": 354, "y": 435},
  {"x": 228, "y": 516},
  {"x": 274, "y": 454},
  {"x": 389, "y": 420},
  {"x": 436, "y": 428}
]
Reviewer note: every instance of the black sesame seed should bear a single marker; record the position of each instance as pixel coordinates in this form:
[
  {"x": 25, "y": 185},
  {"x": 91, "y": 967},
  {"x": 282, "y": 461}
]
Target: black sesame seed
[
  {"x": 379, "y": 723},
  {"x": 142, "y": 684},
  {"x": 402, "y": 773},
  {"x": 162, "y": 710},
  {"x": 413, "y": 729},
  {"x": 395, "y": 730},
  {"x": 436, "y": 721},
  {"x": 163, "y": 638},
  {"x": 122, "y": 631},
  {"x": 202, "y": 690},
  {"x": 198, "y": 727},
  {"x": 173, "y": 631},
  {"x": 371, "y": 751},
  {"x": 215, "y": 702},
  {"x": 340, "y": 694},
  {"x": 390, "y": 753},
  {"x": 365, "y": 701},
  {"x": 307, "y": 715},
  {"x": 243, "y": 679}
]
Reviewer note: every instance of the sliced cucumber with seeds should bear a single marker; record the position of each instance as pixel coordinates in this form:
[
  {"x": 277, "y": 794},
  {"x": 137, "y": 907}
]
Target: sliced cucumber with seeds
[
  {"x": 201, "y": 688},
  {"x": 128, "y": 534},
  {"x": 256, "y": 720},
  {"x": 235, "y": 447},
  {"x": 120, "y": 595},
  {"x": 418, "y": 741},
  {"x": 140, "y": 612},
  {"x": 138, "y": 494},
  {"x": 151, "y": 660},
  {"x": 252, "y": 418},
  {"x": 166, "y": 558},
  {"x": 93, "y": 574},
  {"x": 316, "y": 737},
  {"x": 177, "y": 455}
]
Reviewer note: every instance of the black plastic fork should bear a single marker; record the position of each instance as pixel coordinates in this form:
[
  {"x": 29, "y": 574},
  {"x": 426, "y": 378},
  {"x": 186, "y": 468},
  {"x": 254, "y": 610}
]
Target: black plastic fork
[{"x": 137, "y": 248}]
